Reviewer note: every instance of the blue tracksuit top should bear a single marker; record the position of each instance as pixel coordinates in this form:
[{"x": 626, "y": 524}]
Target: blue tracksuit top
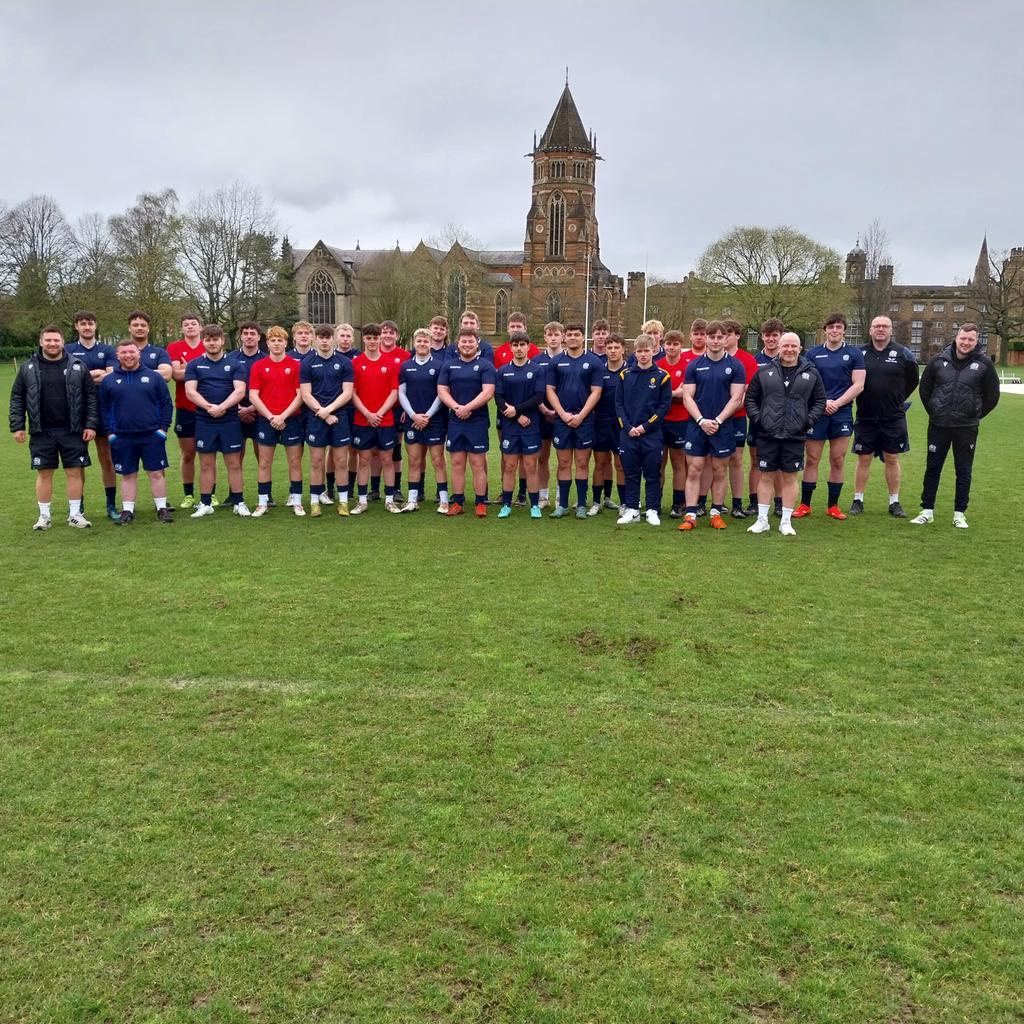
[
  {"x": 643, "y": 397},
  {"x": 135, "y": 401}
]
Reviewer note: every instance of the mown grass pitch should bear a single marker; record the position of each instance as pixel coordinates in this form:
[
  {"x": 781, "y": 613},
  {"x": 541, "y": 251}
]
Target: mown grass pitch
[{"x": 406, "y": 768}]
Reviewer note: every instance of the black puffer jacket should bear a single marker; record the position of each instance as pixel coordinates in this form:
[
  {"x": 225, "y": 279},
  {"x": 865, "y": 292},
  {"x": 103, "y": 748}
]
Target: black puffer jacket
[
  {"x": 783, "y": 412},
  {"x": 83, "y": 403},
  {"x": 959, "y": 392}
]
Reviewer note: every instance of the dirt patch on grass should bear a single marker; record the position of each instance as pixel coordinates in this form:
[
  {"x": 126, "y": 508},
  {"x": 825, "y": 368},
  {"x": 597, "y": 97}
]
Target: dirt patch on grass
[{"x": 636, "y": 649}]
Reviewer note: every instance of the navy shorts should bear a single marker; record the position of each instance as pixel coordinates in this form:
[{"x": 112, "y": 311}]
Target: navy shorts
[
  {"x": 467, "y": 436},
  {"x": 774, "y": 453},
  {"x": 185, "y": 422},
  {"x": 673, "y": 433},
  {"x": 568, "y": 438},
  {"x": 606, "y": 435},
  {"x": 520, "y": 442},
  {"x": 47, "y": 447},
  {"x": 289, "y": 436},
  {"x": 328, "y": 435},
  {"x": 739, "y": 427},
  {"x": 431, "y": 434},
  {"x": 700, "y": 445},
  {"x": 365, "y": 439},
  {"x": 223, "y": 435},
  {"x": 127, "y": 450},
  {"x": 828, "y": 428},
  {"x": 880, "y": 437}
]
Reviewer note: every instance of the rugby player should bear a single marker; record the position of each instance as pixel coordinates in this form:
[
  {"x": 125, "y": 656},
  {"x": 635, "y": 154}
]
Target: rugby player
[
  {"x": 215, "y": 385},
  {"x": 374, "y": 396},
  {"x": 425, "y": 419},
  {"x": 519, "y": 391},
  {"x": 841, "y": 367},
  {"x": 182, "y": 352}
]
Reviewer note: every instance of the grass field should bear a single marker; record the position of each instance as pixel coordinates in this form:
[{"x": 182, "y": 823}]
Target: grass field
[{"x": 411, "y": 769}]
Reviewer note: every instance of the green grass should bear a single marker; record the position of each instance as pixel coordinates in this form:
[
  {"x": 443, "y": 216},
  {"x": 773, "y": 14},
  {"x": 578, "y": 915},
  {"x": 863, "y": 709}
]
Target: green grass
[{"x": 412, "y": 769}]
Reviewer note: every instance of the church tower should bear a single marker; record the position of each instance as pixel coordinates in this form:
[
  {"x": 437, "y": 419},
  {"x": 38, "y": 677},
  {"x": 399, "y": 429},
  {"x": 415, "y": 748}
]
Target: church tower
[{"x": 561, "y": 227}]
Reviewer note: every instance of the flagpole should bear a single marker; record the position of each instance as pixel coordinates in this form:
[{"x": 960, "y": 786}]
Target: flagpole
[
  {"x": 586, "y": 308},
  {"x": 647, "y": 263}
]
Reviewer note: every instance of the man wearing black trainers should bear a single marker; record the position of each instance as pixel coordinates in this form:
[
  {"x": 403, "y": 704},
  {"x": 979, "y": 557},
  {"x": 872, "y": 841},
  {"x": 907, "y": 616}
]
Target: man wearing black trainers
[
  {"x": 880, "y": 430},
  {"x": 959, "y": 388}
]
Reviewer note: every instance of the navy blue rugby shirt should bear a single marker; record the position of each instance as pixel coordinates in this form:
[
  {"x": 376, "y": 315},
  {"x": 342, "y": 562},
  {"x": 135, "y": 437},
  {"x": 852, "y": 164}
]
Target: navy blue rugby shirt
[
  {"x": 572, "y": 377},
  {"x": 714, "y": 380},
  {"x": 517, "y": 385},
  {"x": 326, "y": 375},
  {"x": 466, "y": 381},
  {"x": 420, "y": 381},
  {"x": 215, "y": 380}
]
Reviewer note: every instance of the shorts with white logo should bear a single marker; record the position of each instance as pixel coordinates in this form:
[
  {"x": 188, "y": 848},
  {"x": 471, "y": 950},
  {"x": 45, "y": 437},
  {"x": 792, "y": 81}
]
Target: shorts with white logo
[
  {"x": 127, "y": 450},
  {"x": 579, "y": 438},
  {"x": 185, "y": 422},
  {"x": 328, "y": 435},
  {"x": 828, "y": 428},
  {"x": 606, "y": 435},
  {"x": 467, "y": 436},
  {"x": 774, "y": 453},
  {"x": 220, "y": 435},
  {"x": 673, "y": 433},
  {"x": 289, "y": 435},
  {"x": 717, "y": 446},
  {"x": 46, "y": 447},
  {"x": 366, "y": 438},
  {"x": 878, "y": 437},
  {"x": 523, "y": 442},
  {"x": 739, "y": 427},
  {"x": 431, "y": 434}
]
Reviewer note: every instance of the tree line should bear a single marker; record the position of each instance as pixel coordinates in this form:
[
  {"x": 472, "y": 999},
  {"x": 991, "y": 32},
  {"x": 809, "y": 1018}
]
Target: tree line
[{"x": 222, "y": 255}]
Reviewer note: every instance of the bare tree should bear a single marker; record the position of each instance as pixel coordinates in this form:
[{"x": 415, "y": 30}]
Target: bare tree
[
  {"x": 997, "y": 301},
  {"x": 404, "y": 287},
  {"x": 872, "y": 293},
  {"x": 91, "y": 280},
  {"x": 764, "y": 272},
  {"x": 226, "y": 246},
  {"x": 35, "y": 238}
]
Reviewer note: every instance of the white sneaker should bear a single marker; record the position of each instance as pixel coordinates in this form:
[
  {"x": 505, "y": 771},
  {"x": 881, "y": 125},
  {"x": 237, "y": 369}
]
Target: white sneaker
[
  {"x": 325, "y": 499},
  {"x": 359, "y": 508},
  {"x": 241, "y": 509},
  {"x": 594, "y": 510},
  {"x": 960, "y": 521},
  {"x": 786, "y": 529},
  {"x": 202, "y": 510},
  {"x": 926, "y": 516},
  {"x": 542, "y": 503},
  {"x": 79, "y": 522},
  {"x": 442, "y": 508},
  {"x": 653, "y": 519},
  {"x": 390, "y": 506},
  {"x": 410, "y": 506},
  {"x": 611, "y": 505},
  {"x": 42, "y": 523},
  {"x": 759, "y": 526},
  {"x": 629, "y": 515},
  {"x": 297, "y": 507},
  {"x": 290, "y": 501},
  {"x": 260, "y": 510}
]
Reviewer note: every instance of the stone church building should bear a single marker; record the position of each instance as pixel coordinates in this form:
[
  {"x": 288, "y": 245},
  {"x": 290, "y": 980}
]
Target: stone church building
[{"x": 557, "y": 275}]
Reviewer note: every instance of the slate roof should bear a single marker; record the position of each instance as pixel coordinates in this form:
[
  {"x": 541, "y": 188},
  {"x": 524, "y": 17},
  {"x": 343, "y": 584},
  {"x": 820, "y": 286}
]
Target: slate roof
[{"x": 565, "y": 130}]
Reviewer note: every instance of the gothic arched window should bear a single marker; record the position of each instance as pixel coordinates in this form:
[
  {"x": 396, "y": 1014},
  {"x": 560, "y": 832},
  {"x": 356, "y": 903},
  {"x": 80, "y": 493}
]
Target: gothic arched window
[
  {"x": 457, "y": 289},
  {"x": 554, "y": 306},
  {"x": 500, "y": 311},
  {"x": 556, "y": 225},
  {"x": 320, "y": 298}
]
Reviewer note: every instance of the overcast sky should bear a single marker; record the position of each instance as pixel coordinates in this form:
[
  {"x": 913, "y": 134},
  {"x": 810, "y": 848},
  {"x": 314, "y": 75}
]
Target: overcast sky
[{"x": 384, "y": 121}]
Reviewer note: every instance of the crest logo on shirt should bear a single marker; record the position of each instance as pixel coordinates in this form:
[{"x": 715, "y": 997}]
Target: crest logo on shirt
[
  {"x": 974, "y": 366},
  {"x": 145, "y": 380},
  {"x": 432, "y": 371},
  {"x": 529, "y": 374},
  {"x": 806, "y": 376},
  {"x": 337, "y": 366},
  {"x": 383, "y": 369},
  {"x": 586, "y": 366},
  {"x": 227, "y": 369},
  {"x": 287, "y": 370},
  {"x": 728, "y": 371},
  {"x": 76, "y": 366},
  {"x": 652, "y": 384},
  {"x": 846, "y": 358},
  {"x": 118, "y": 379}
]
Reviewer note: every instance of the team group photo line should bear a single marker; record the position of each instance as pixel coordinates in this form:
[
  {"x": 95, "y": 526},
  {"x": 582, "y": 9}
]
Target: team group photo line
[{"x": 675, "y": 405}]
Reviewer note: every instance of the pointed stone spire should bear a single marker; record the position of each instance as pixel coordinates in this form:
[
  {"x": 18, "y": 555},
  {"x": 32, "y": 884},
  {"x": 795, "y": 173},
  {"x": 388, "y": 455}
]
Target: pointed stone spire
[
  {"x": 565, "y": 130},
  {"x": 982, "y": 269}
]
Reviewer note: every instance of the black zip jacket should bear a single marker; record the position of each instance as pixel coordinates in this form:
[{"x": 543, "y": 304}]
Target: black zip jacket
[
  {"x": 892, "y": 377},
  {"x": 959, "y": 392},
  {"x": 83, "y": 405},
  {"x": 786, "y": 412}
]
